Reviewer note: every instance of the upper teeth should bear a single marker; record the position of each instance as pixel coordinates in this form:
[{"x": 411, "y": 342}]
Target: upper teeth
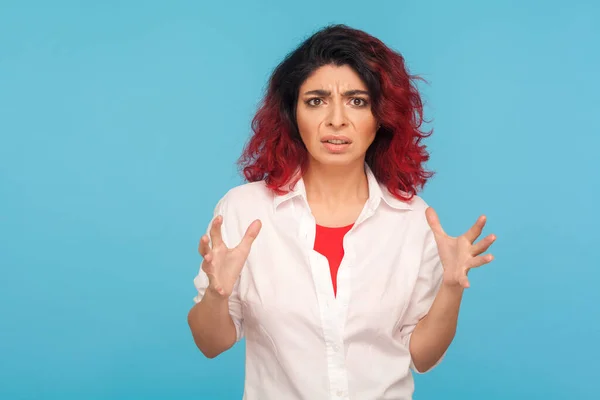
[{"x": 336, "y": 141}]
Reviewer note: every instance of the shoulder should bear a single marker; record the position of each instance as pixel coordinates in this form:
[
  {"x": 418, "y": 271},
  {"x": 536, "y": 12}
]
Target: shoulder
[
  {"x": 409, "y": 213},
  {"x": 414, "y": 207},
  {"x": 240, "y": 205},
  {"x": 422, "y": 227},
  {"x": 246, "y": 202},
  {"x": 418, "y": 204},
  {"x": 247, "y": 195}
]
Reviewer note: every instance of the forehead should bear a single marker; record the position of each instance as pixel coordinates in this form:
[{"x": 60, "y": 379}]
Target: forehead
[{"x": 332, "y": 77}]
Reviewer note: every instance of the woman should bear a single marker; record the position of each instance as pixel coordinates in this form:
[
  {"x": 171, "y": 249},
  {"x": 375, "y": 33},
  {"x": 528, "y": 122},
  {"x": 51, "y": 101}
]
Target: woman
[{"x": 335, "y": 271}]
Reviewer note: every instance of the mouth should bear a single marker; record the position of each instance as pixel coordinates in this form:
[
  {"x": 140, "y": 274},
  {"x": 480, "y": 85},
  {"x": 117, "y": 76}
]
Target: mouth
[
  {"x": 336, "y": 145},
  {"x": 337, "y": 140}
]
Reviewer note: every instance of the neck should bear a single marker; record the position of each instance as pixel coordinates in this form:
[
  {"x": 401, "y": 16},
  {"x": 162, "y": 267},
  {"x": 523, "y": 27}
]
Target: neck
[{"x": 336, "y": 185}]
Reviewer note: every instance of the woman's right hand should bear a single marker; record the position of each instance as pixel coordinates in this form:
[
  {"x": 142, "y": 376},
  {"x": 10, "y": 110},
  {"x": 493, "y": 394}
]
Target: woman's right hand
[{"x": 222, "y": 264}]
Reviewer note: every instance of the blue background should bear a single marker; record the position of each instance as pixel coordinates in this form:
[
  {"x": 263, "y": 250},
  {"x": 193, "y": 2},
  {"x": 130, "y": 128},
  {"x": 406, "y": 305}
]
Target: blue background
[{"x": 120, "y": 124}]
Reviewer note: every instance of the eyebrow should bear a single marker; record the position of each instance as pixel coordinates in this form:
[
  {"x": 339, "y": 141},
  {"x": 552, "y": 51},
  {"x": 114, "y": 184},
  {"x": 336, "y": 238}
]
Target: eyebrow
[{"x": 326, "y": 93}]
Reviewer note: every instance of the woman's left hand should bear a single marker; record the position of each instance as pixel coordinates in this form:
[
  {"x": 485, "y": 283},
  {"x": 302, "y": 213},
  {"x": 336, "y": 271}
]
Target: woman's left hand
[{"x": 460, "y": 254}]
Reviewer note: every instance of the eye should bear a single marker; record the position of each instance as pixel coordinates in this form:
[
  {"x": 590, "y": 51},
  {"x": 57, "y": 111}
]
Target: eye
[
  {"x": 311, "y": 102},
  {"x": 359, "y": 102}
]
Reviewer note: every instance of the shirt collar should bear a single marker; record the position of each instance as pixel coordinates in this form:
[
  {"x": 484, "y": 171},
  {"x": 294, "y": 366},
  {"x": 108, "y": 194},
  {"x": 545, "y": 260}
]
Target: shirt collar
[{"x": 377, "y": 192}]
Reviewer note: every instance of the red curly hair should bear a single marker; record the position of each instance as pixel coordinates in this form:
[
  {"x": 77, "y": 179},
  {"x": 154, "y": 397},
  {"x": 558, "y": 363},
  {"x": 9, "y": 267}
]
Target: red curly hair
[{"x": 396, "y": 156}]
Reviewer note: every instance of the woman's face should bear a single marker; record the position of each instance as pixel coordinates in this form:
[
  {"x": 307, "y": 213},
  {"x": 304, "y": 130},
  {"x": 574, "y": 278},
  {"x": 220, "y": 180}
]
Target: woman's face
[{"x": 334, "y": 116}]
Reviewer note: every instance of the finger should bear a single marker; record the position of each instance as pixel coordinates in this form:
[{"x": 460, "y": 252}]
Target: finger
[
  {"x": 473, "y": 233},
  {"x": 215, "y": 231},
  {"x": 208, "y": 268},
  {"x": 203, "y": 247},
  {"x": 212, "y": 283},
  {"x": 465, "y": 282},
  {"x": 434, "y": 221},
  {"x": 250, "y": 235},
  {"x": 483, "y": 245},
  {"x": 205, "y": 267},
  {"x": 219, "y": 290},
  {"x": 480, "y": 260}
]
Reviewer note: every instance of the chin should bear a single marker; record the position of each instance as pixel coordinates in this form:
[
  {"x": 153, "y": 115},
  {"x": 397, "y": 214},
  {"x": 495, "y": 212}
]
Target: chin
[{"x": 337, "y": 160}]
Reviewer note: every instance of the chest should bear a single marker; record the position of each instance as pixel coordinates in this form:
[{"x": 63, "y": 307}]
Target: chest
[
  {"x": 335, "y": 216},
  {"x": 285, "y": 279}
]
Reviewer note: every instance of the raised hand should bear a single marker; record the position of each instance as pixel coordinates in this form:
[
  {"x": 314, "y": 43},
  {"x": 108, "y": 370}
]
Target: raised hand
[
  {"x": 460, "y": 254},
  {"x": 222, "y": 264}
]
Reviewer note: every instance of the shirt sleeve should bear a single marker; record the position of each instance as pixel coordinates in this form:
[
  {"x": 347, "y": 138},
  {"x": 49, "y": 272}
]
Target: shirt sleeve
[
  {"x": 428, "y": 283},
  {"x": 201, "y": 280}
]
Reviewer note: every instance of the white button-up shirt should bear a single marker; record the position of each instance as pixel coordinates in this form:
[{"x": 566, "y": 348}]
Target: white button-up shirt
[{"x": 302, "y": 342}]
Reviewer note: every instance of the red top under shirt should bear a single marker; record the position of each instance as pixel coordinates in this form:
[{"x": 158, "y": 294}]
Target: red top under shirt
[{"x": 329, "y": 242}]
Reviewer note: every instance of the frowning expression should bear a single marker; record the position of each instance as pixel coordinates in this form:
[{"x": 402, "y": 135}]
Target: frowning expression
[{"x": 334, "y": 116}]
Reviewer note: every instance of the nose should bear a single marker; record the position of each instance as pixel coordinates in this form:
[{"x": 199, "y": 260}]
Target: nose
[{"x": 337, "y": 116}]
